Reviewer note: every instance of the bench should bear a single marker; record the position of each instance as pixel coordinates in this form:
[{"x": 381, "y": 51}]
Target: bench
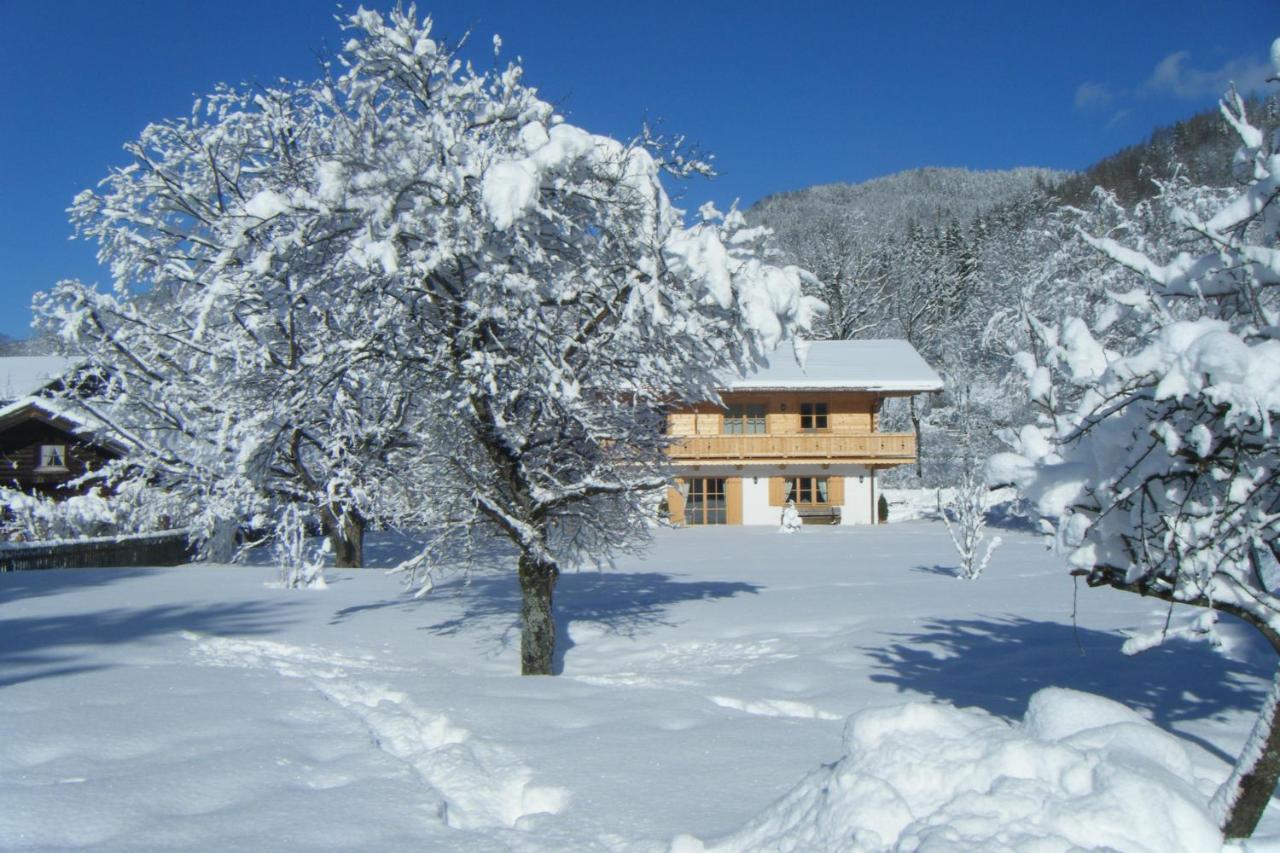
[{"x": 819, "y": 514}]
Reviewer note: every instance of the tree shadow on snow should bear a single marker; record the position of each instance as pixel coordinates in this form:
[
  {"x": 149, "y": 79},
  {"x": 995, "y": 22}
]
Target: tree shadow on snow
[
  {"x": 945, "y": 571},
  {"x": 35, "y": 583},
  {"x": 996, "y": 664},
  {"x": 1013, "y": 515},
  {"x": 35, "y": 647},
  {"x": 622, "y": 603}
]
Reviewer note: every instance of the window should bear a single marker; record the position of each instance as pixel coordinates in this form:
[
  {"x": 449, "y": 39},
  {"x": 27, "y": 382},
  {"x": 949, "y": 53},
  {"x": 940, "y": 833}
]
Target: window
[
  {"x": 705, "y": 503},
  {"x": 53, "y": 456},
  {"x": 813, "y": 416},
  {"x": 745, "y": 419},
  {"x": 806, "y": 491}
]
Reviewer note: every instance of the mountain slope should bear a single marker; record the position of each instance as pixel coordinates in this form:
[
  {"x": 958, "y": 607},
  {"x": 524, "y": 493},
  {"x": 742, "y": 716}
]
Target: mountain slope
[{"x": 928, "y": 198}]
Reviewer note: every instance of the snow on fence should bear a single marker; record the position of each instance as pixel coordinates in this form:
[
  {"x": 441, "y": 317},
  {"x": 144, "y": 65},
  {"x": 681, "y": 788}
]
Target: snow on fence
[{"x": 149, "y": 549}]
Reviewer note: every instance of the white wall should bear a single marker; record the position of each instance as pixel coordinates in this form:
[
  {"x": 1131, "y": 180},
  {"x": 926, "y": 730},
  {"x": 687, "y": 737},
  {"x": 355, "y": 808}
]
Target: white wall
[
  {"x": 755, "y": 500},
  {"x": 857, "y": 496}
]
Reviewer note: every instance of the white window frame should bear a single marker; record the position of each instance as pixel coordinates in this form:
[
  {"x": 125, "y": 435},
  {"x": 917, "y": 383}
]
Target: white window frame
[{"x": 55, "y": 451}]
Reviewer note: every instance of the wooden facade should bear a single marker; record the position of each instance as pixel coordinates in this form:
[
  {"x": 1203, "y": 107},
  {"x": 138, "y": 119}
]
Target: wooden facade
[{"x": 850, "y": 436}]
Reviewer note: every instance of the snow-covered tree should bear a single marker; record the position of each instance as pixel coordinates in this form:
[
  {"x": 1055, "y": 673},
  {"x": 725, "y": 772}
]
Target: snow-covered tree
[
  {"x": 965, "y": 512},
  {"x": 1155, "y": 461},
  {"x": 414, "y": 292},
  {"x": 558, "y": 303},
  {"x": 240, "y": 342},
  {"x": 843, "y": 252}
]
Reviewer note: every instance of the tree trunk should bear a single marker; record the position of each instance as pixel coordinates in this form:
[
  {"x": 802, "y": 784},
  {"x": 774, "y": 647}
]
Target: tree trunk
[
  {"x": 220, "y": 547},
  {"x": 538, "y": 629},
  {"x": 915, "y": 425},
  {"x": 346, "y": 537},
  {"x": 1242, "y": 799}
]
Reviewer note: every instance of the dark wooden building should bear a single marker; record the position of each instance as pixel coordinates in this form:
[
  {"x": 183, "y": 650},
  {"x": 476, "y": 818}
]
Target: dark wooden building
[{"x": 41, "y": 449}]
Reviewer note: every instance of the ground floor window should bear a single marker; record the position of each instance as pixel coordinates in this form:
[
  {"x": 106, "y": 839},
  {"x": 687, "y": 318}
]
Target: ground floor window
[
  {"x": 810, "y": 491},
  {"x": 705, "y": 503}
]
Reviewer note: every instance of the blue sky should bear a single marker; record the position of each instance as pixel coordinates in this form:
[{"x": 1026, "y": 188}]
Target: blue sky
[{"x": 784, "y": 94}]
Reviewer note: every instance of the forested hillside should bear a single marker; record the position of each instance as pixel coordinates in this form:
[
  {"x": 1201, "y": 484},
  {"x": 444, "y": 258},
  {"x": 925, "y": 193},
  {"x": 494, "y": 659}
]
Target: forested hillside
[
  {"x": 927, "y": 198},
  {"x": 956, "y": 261},
  {"x": 1199, "y": 149}
]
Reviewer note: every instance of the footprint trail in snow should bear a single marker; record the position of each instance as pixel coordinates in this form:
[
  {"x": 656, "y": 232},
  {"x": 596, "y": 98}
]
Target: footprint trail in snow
[{"x": 483, "y": 786}]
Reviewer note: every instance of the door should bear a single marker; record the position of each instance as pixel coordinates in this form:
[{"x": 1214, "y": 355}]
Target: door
[{"x": 706, "y": 503}]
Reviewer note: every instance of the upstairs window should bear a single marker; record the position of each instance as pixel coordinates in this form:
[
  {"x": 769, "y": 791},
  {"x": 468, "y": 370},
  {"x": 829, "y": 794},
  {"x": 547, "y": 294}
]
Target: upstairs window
[
  {"x": 813, "y": 416},
  {"x": 53, "y": 457},
  {"x": 744, "y": 419}
]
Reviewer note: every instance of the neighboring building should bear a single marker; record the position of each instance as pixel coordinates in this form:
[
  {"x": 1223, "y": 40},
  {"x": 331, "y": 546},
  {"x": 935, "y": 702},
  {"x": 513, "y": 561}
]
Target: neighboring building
[
  {"x": 42, "y": 444},
  {"x": 809, "y": 434},
  {"x": 27, "y": 375}
]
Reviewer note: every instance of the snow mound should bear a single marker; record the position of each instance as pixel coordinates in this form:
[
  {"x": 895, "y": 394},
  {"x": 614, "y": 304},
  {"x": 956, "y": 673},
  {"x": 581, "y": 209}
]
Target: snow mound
[{"x": 1079, "y": 771}]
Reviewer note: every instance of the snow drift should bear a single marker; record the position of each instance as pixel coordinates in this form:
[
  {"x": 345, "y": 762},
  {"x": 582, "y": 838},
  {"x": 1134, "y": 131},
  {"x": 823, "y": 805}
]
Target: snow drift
[{"x": 1079, "y": 771}]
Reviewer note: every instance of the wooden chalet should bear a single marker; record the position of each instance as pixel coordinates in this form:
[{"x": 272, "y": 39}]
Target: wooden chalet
[
  {"x": 43, "y": 444},
  {"x": 789, "y": 432}
]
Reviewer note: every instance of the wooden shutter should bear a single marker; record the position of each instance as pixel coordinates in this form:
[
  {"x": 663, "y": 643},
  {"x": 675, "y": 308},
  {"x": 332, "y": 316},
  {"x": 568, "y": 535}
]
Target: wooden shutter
[
  {"x": 776, "y": 491},
  {"x": 835, "y": 491},
  {"x": 675, "y": 505},
  {"x": 733, "y": 500}
]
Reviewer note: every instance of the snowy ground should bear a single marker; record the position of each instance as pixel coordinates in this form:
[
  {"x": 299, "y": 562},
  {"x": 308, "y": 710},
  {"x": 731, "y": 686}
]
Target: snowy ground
[{"x": 199, "y": 707}]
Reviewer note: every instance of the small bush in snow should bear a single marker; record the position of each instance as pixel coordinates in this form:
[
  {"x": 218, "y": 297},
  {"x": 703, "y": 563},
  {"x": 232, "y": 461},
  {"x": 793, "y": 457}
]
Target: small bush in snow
[
  {"x": 965, "y": 516},
  {"x": 301, "y": 567},
  {"x": 133, "y": 507}
]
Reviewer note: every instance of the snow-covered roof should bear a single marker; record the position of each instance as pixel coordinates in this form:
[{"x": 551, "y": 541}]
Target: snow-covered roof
[
  {"x": 63, "y": 414},
  {"x": 22, "y": 375},
  {"x": 879, "y": 365}
]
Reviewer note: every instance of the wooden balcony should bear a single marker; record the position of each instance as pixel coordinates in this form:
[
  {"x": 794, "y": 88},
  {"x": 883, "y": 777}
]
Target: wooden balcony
[{"x": 877, "y": 448}]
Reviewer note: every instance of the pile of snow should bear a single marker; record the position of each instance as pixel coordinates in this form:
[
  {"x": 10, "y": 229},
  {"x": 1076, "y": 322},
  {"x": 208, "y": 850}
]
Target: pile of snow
[
  {"x": 914, "y": 504},
  {"x": 1079, "y": 771},
  {"x": 1004, "y": 508}
]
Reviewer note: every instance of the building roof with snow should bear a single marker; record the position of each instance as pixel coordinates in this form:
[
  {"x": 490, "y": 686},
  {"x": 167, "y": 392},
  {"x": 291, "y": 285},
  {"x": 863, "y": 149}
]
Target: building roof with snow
[
  {"x": 889, "y": 365},
  {"x": 24, "y": 375}
]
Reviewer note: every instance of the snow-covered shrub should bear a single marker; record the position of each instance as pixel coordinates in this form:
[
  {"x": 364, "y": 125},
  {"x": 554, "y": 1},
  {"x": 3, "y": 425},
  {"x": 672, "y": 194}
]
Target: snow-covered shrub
[
  {"x": 965, "y": 516},
  {"x": 301, "y": 567},
  {"x": 1155, "y": 463},
  {"x": 131, "y": 506},
  {"x": 33, "y": 518},
  {"x": 1079, "y": 772}
]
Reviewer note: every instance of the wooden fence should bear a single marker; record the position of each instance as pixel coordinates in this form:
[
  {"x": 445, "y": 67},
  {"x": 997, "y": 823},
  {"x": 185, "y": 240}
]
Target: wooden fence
[{"x": 170, "y": 548}]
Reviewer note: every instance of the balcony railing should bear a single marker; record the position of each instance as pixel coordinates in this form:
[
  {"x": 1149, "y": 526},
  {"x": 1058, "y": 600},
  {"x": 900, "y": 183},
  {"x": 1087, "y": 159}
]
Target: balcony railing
[{"x": 881, "y": 446}]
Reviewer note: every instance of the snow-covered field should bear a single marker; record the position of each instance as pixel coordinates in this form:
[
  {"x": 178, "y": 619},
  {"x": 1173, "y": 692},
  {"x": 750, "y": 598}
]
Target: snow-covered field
[{"x": 204, "y": 708}]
